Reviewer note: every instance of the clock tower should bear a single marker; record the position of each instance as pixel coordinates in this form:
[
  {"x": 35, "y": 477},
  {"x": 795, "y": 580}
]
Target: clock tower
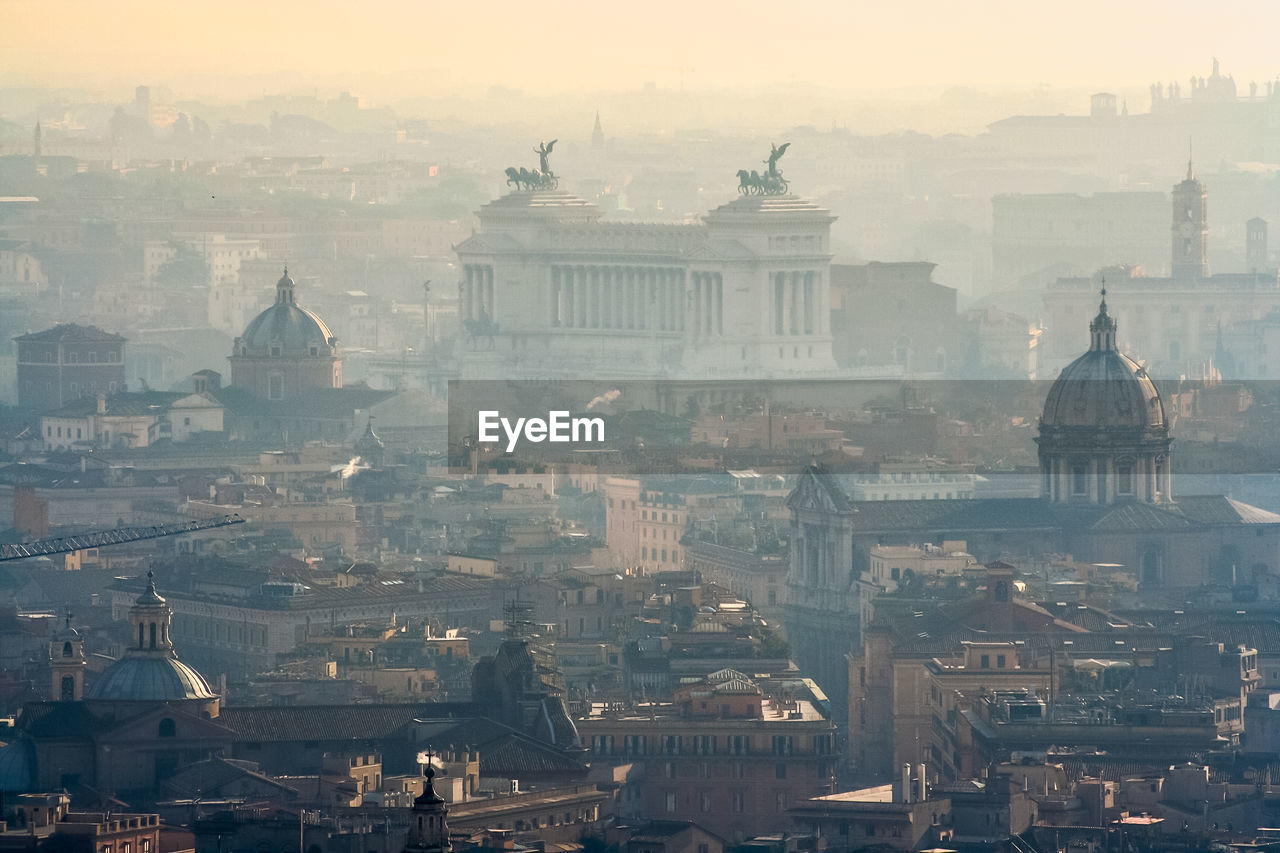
[{"x": 1190, "y": 230}]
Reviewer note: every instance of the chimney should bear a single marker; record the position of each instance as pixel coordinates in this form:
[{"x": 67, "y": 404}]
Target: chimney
[
  {"x": 906, "y": 783},
  {"x": 924, "y": 784}
]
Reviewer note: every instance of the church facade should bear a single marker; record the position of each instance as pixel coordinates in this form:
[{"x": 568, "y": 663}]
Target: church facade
[{"x": 1106, "y": 461}]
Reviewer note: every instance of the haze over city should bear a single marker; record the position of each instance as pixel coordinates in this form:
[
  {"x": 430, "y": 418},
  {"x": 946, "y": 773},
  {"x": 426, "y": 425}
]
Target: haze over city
[
  {"x": 395, "y": 50},
  {"x": 656, "y": 427}
]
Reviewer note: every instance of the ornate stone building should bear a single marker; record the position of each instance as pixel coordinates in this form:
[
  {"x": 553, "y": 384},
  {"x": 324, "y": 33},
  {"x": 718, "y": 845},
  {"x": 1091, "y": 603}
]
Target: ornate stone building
[
  {"x": 1107, "y": 498},
  {"x": 1104, "y": 437},
  {"x": 286, "y": 350},
  {"x": 550, "y": 290}
]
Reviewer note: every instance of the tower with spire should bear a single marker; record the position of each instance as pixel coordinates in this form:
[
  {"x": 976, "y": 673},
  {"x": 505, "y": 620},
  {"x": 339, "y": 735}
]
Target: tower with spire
[
  {"x": 428, "y": 825},
  {"x": 66, "y": 663},
  {"x": 597, "y": 135},
  {"x": 1190, "y": 229}
]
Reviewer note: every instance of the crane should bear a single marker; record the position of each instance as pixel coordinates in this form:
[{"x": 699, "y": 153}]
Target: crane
[{"x": 118, "y": 536}]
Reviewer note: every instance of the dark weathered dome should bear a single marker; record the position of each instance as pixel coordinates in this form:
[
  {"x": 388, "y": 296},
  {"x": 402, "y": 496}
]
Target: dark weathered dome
[
  {"x": 160, "y": 678},
  {"x": 150, "y": 671},
  {"x": 17, "y": 766},
  {"x": 1103, "y": 389}
]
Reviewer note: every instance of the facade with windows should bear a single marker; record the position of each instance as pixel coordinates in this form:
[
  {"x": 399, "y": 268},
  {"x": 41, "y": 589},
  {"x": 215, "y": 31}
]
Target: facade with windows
[
  {"x": 726, "y": 753},
  {"x": 69, "y": 361},
  {"x": 551, "y": 290}
]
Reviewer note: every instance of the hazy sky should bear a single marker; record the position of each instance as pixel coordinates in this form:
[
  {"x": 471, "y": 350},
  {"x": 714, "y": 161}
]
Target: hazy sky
[{"x": 397, "y": 48}]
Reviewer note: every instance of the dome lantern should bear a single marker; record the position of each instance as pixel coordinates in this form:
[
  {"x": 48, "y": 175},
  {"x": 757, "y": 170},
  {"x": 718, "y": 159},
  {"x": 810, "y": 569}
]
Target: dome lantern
[
  {"x": 284, "y": 289},
  {"x": 150, "y": 670}
]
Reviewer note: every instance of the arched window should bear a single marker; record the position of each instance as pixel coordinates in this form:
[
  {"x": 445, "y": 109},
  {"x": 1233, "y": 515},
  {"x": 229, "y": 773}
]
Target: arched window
[
  {"x": 167, "y": 728},
  {"x": 67, "y": 651},
  {"x": 153, "y": 635},
  {"x": 902, "y": 351}
]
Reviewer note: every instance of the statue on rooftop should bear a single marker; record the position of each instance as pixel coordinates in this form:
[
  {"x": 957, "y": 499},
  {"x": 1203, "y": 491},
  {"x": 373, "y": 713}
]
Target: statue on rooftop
[
  {"x": 771, "y": 182},
  {"x": 541, "y": 178}
]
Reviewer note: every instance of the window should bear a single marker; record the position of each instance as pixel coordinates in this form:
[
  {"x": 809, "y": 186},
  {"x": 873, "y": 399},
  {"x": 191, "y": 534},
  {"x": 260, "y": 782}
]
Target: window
[
  {"x": 275, "y": 387},
  {"x": 999, "y": 661},
  {"x": 704, "y": 802},
  {"x": 167, "y": 728},
  {"x": 1079, "y": 479},
  {"x": 737, "y": 802},
  {"x": 780, "y": 770},
  {"x": 671, "y": 802},
  {"x": 780, "y": 801},
  {"x": 1124, "y": 480},
  {"x": 985, "y": 662}
]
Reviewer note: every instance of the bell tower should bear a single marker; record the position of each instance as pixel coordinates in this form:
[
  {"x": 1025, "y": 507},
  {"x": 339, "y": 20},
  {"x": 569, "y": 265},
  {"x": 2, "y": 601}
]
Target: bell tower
[
  {"x": 1190, "y": 229},
  {"x": 428, "y": 828},
  {"x": 66, "y": 664}
]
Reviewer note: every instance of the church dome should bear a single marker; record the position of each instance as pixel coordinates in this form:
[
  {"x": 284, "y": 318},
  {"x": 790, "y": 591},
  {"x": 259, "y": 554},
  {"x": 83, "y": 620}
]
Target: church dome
[
  {"x": 150, "y": 670},
  {"x": 1103, "y": 389},
  {"x": 1104, "y": 435},
  {"x": 294, "y": 330},
  {"x": 150, "y": 679},
  {"x": 17, "y": 766}
]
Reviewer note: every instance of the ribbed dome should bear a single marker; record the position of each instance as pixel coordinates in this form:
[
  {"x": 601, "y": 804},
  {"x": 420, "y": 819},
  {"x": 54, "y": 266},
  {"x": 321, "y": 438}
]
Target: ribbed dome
[
  {"x": 17, "y": 766},
  {"x": 295, "y": 330},
  {"x": 159, "y": 678},
  {"x": 1103, "y": 389}
]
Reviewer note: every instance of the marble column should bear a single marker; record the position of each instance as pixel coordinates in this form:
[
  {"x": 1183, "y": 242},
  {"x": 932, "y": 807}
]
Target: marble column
[
  {"x": 719, "y": 304},
  {"x": 606, "y": 298},
  {"x": 554, "y": 307}
]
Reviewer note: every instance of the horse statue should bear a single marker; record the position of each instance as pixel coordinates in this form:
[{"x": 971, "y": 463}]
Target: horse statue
[
  {"x": 530, "y": 179},
  {"x": 482, "y": 327},
  {"x": 769, "y": 183}
]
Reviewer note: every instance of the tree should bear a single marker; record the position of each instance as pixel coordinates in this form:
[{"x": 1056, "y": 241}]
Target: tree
[
  {"x": 185, "y": 269},
  {"x": 772, "y": 645}
]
